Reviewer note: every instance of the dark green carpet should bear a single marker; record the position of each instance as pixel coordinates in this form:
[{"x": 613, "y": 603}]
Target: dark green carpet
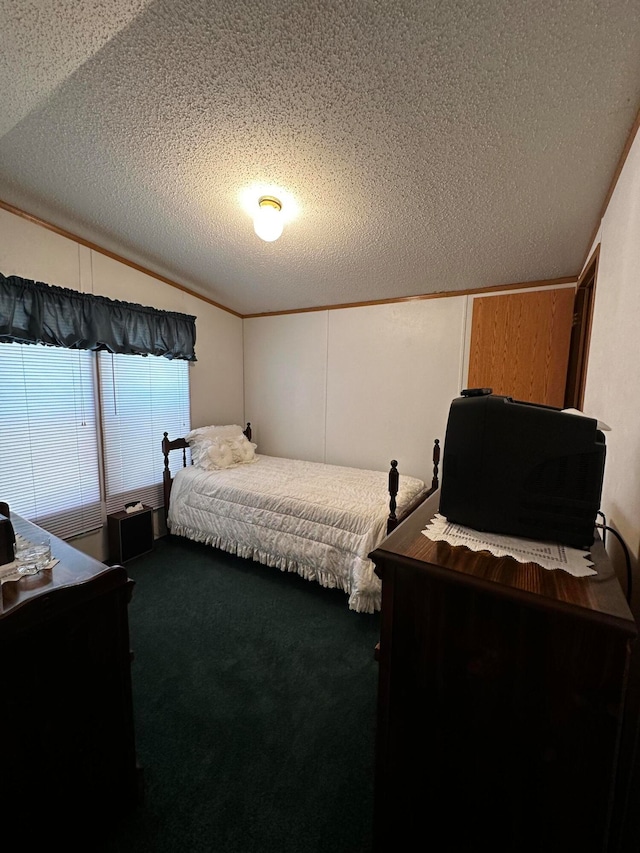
[{"x": 254, "y": 699}]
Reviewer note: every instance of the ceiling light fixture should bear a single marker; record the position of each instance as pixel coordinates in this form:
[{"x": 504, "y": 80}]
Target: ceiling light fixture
[{"x": 267, "y": 222}]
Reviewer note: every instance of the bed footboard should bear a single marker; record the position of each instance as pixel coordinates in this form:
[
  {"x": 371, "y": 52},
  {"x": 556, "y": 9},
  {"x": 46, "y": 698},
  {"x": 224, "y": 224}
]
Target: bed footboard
[{"x": 393, "y": 521}]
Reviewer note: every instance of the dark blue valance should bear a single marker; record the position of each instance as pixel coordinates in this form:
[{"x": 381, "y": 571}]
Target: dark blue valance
[{"x": 32, "y": 312}]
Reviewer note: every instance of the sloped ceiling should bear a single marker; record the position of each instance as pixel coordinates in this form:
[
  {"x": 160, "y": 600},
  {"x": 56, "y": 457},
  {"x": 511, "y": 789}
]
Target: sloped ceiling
[{"x": 417, "y": 146}]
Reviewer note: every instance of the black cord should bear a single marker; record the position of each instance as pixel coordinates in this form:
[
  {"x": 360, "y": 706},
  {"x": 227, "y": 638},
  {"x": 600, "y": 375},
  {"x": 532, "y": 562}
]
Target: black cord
[
  {"x": 604, "y": 527},
  {"x": 626, "y": 555}
]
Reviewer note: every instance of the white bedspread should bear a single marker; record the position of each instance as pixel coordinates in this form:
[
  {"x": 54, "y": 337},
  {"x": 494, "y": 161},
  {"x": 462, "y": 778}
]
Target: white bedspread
[{"x": 318, "y": 520}]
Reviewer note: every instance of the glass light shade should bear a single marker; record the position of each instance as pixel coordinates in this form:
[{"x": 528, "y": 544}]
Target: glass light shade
[{"x": 267, "y": 222}]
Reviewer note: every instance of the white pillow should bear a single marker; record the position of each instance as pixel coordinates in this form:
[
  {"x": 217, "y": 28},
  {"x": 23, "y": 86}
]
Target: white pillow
[
  {"x": 242, "y": 449},
  {"x": 215, "y": 431},
  {"x": 215, "y": 453},
  {"x": 199, "y": 450}
]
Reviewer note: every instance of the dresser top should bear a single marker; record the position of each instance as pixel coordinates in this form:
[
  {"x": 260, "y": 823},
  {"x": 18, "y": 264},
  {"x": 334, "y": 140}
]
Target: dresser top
[
  {"x": 597, "y": 597},
  {"x": 75, "y": 574}
]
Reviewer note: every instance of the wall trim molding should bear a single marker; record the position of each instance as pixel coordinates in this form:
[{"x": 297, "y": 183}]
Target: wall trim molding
[
  {"x": 614, "y": 182},
  {"x": 550, "y": 282},
  {"x": 10, "y": 208}
]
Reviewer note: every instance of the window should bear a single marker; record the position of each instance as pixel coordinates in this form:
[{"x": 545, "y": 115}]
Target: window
[
  {"x": 49, "y": 431},
  {"x": 52, "y": 451},
  {"x": 141, "y": 398},
  {"x": 49, "y": 468}
]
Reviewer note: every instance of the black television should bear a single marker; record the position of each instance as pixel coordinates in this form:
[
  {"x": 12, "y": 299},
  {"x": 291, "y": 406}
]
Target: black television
[{"x": 522, "y": 469}]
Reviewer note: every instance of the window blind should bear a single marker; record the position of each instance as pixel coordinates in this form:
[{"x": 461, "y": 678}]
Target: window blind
[
  {"x": 141, "y": 398},
  {"x": 49, "y": 468}
]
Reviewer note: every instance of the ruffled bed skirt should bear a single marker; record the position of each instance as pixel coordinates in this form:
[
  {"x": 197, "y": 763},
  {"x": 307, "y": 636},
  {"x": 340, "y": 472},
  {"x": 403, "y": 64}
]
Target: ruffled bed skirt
[{"x": 361, "y": 601}]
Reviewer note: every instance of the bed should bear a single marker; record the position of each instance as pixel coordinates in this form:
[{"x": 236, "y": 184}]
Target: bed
[{"x": 318, "y": 520}]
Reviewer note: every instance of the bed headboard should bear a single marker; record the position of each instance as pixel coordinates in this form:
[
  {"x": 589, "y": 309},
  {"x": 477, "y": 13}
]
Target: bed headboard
[{"x": 179, "y": 444}]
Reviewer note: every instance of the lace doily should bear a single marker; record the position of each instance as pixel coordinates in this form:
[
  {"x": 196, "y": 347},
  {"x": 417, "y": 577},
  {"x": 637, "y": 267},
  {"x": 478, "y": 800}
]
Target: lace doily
[{"x": 548, "y": 555}]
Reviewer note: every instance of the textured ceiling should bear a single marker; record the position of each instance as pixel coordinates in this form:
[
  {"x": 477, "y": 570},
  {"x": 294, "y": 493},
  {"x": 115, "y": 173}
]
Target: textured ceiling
[{"x": 418, "y": 146}]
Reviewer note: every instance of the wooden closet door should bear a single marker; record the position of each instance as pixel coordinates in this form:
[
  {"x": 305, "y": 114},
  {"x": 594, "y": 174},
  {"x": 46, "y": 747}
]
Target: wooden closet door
[{"x": 520, "y": 345}]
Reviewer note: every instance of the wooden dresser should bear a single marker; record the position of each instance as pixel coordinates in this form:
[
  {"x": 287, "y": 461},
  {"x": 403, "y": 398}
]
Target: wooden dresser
[
  {"x": 500, "y": 701},
  {"x": 68, "y": 751}
]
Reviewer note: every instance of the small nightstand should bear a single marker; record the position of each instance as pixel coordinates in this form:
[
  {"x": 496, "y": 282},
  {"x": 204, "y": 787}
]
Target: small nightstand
[{"x": 130, "y": 534}]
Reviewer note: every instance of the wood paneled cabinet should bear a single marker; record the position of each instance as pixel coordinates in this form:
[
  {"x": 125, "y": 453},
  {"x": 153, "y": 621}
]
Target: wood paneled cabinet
[
  {"x": 68, "y": 760},
  {"x": 500, "y": 702}
]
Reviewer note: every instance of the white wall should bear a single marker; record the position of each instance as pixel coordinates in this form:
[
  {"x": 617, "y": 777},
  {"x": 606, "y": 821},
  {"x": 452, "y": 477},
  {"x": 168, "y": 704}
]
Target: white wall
[
  {"x": 32, "y": 251},
  {"x": 392, "y": 373},
  {"x": 285, "y": 375},
  {"x": 613, "y": 373},
  {"x": 359, "y": 386},
  {"x": 613, "y": 394},
  {"x": 356, "y": 386}
]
